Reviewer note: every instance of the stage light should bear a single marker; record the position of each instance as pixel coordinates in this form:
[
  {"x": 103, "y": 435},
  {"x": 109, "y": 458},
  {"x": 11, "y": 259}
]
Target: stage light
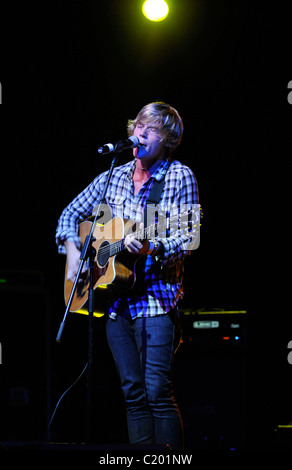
[{"x": 155, "y": 10}]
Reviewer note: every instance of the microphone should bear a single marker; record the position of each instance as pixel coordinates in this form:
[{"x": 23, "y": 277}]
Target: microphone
[{"x": 119, "y": 146}]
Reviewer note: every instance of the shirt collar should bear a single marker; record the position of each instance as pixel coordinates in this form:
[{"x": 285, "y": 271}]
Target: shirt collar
[{"x": 159, "y": 172}]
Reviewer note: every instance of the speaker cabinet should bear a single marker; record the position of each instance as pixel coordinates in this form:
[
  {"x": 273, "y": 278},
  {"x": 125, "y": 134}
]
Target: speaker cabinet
[
  {"x": 209, "y": 376},
  {"x": 24, "y": 368}
]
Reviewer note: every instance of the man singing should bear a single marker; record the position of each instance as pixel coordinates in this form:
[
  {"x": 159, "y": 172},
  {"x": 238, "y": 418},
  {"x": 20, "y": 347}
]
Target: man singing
[{"x": 142, "y": 322}]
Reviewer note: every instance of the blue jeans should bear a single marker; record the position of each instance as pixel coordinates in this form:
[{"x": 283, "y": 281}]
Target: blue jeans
[{"x": 143, "y": 351}]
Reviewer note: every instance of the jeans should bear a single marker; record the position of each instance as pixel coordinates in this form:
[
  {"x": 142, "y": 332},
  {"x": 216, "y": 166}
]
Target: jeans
[{"x": 143, "y": 351}]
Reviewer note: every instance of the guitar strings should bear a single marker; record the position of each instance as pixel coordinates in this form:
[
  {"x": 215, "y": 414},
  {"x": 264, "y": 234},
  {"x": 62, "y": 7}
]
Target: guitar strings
[
  {"x": 140, "y": 234},
  {"x": 119, "y": 245}
]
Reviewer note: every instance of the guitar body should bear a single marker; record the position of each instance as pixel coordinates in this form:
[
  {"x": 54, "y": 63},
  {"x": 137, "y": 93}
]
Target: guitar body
[{"x": 117, "y": 269}]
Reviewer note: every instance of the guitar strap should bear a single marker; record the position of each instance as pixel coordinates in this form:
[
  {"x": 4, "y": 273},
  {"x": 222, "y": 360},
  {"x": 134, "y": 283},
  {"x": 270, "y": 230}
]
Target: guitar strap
[{"x": 154, "y": 196}]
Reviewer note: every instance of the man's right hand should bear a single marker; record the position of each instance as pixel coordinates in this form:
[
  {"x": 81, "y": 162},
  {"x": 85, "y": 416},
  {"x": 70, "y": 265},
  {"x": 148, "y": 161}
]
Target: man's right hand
[{"x": 73, "y": 260}]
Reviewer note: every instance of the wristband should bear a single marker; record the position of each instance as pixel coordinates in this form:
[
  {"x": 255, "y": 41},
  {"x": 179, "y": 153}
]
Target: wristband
[
  {"x": 155, "y": 242},
  {"x": 153, "y": 247}
]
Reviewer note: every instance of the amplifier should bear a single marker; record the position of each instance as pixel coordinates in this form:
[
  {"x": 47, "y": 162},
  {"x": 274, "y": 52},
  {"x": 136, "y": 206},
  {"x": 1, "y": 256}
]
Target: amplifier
[
  {"x": 214, "y": 328},
  {"x": 210, "y": 378}
]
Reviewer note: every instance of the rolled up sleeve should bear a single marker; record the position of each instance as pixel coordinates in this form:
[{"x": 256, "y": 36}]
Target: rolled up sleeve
[
  {"x": 80, "y": 208},
  {"x": 185, "y": 216}
]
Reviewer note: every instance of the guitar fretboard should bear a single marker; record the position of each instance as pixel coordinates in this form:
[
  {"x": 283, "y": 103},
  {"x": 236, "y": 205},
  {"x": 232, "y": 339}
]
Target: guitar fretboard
[
  {"x": 115, "y": 247},
  {"x": 146, "y": 233}
]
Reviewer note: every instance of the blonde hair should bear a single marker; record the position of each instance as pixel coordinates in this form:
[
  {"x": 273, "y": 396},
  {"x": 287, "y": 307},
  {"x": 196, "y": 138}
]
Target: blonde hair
[{"x": 167, "y": 120}]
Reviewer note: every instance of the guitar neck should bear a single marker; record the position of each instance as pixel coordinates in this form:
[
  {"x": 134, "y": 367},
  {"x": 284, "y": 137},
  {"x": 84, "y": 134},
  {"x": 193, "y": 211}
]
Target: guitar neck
[
  {"x": 148, "y": 232},
  {"x": 162, "y": 225}
]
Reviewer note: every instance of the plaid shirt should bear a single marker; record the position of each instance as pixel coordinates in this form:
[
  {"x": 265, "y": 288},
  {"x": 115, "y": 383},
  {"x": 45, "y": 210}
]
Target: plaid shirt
[{"x": 162, "y": 283}]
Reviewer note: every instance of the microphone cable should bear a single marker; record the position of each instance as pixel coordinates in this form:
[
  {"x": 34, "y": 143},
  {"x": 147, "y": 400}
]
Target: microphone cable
[{"x": 66, "y": 391}]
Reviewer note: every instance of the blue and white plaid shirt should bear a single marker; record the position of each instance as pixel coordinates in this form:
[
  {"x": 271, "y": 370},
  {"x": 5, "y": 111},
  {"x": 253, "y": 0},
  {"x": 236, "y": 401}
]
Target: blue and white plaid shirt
[{"x": 162, "y": 283}]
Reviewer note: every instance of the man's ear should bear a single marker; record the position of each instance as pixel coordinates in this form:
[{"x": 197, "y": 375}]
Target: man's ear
[{"x": 166, "y": 143}]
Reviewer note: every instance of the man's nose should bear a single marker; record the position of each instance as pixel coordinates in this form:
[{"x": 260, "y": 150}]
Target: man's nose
[{"x": 143, "y": 132}]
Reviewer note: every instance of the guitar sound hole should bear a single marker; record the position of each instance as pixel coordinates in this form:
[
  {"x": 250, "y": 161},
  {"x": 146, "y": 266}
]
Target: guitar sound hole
[{"x": 103, "y": 254}]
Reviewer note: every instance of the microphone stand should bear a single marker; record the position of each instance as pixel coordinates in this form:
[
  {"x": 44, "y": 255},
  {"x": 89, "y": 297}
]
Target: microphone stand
[{"x": 88, "y": 252}]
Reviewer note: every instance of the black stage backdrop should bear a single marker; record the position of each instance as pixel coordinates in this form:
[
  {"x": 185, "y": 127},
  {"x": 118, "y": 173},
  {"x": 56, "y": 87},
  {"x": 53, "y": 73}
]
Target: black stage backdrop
[{"x": 71, "y": 76}]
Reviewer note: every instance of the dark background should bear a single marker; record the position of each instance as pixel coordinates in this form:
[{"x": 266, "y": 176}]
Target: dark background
[{"x": 72, "y": 74}]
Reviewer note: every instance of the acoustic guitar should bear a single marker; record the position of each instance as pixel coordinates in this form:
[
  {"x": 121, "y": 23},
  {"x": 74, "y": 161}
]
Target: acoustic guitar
[{"x": 113, "y": 263}]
